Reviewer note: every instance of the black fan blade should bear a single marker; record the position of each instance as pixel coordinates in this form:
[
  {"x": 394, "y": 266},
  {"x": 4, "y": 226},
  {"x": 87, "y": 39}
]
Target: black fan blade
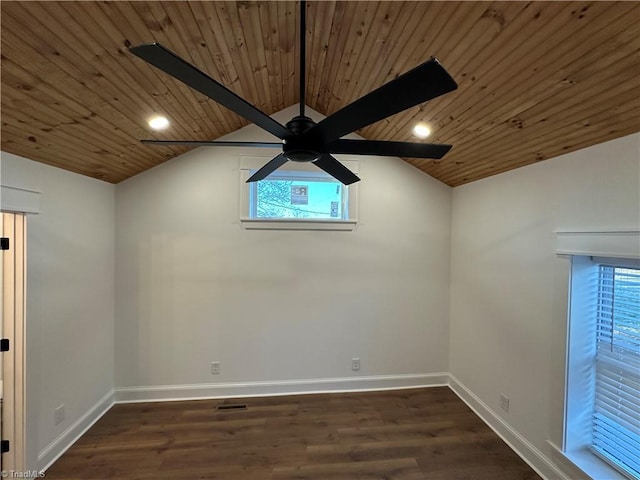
[
  {"x": 271, "y": 166},
  {"x": 212, "y": 143},
  {"x": 392, "y": 149},
  {"x": 337, "y": 170},
  {"x": 425, "y": 82},
  {"x": 169, "y": 62}
]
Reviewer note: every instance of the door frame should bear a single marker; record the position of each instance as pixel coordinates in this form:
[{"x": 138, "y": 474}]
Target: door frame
[{"x": 12, "y": 323}]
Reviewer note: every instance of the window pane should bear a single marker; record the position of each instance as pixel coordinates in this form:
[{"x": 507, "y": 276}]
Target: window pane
[
  {"x": 616, "y": 421},
  {"x": 299, "y": 198}
]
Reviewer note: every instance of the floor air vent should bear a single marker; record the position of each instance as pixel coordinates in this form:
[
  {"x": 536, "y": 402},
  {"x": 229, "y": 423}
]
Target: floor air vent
[{"x": 232, "y": 406}]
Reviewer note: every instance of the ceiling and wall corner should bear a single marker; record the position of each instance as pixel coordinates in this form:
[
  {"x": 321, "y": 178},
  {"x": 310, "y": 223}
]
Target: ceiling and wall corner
[{"x": 536, "y": 79}]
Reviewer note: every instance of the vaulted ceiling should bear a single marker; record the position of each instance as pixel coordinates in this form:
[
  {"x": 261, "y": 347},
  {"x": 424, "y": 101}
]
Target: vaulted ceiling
[{"x": 536, "y": 79}]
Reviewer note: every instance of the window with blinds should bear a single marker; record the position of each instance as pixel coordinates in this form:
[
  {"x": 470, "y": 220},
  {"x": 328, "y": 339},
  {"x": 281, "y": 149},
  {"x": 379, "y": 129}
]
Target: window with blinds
[{"x": 616, "y": 417}]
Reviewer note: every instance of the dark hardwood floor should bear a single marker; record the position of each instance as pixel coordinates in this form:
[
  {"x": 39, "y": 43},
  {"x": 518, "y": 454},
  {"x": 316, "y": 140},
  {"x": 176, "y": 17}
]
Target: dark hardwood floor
[{"x": 400, "y": 435}]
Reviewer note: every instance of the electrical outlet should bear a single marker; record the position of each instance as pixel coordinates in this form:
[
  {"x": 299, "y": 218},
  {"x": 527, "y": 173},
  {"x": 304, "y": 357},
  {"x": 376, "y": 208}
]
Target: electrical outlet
[
  {"x": 59, "y": 414},
  {"x": 504, "y": 402},
  {"x": 355, "y": 364},
  {"x": 215, "y": 368}
]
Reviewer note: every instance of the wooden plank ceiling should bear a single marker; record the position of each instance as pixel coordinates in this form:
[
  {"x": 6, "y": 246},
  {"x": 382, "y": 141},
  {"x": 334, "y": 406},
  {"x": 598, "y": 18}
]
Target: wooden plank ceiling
[{"x": 536, "y": 79}]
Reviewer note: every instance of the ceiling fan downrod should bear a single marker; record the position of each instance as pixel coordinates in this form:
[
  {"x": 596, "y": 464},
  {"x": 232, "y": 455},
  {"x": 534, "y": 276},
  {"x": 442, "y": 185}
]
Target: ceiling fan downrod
[{"x": 303, "y": 53}]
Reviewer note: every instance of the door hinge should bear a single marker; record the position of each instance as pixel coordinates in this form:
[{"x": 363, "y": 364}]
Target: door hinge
[
  {"x": 4, "y": 344},
  {"x": 4, "y": 243},
  {"x": 4, "y": 446}
]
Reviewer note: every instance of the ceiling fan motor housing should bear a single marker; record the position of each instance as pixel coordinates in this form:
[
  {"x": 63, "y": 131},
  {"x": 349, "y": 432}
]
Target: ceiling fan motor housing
[{"x": 297, "y": 147}]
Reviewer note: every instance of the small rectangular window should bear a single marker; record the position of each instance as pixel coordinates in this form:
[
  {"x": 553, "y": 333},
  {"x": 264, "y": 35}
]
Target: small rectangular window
[
  {"x": 616, "y": 410},
  {"x": 297, "y": 196}
]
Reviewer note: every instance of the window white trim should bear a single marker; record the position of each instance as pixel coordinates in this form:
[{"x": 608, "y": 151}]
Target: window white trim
[
  {"x": 581, "y": 350},
  {"x": 248, "y": 163},
  {"x": 297, "y": 224},
  {"x": 611, "y": 243}
]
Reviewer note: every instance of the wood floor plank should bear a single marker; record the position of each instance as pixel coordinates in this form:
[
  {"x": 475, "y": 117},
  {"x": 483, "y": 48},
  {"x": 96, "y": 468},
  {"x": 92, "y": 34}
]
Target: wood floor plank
[
  {"x": 400, "y": 469},
  {"x": 415, "y": 434}
]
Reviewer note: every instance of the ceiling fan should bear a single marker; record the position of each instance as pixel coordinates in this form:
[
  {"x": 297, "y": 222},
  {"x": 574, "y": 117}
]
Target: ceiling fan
[{"x": 303, "y": 140}]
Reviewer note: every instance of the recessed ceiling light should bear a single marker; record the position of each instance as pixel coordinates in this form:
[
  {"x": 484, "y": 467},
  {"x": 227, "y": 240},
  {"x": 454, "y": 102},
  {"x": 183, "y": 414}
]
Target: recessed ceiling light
[
  {"x": 421, "y": 130},
  {"x": 158, "y": 123}
]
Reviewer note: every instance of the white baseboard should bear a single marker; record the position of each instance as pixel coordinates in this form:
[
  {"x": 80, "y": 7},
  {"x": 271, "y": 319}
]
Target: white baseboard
[
  {"x": 529, "y": 453},
  {"x": 163, "y": 393},
  {"x": 67, "y": 438}
]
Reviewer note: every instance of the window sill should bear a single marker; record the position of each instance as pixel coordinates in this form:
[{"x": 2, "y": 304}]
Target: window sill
[
  {"x": 297, "y": 224},
  {"x": 589, "y": 463}
]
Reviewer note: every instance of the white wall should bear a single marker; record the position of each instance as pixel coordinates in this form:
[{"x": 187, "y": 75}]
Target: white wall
[
  {"x": 70, "y": 299},
  {"x": 194, "y": 287},
  {"x": 508, "y": 287}
]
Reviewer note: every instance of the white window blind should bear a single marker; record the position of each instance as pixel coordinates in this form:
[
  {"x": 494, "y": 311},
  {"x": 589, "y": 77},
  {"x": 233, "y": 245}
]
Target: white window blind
[{"x": 616, "y": 419}]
